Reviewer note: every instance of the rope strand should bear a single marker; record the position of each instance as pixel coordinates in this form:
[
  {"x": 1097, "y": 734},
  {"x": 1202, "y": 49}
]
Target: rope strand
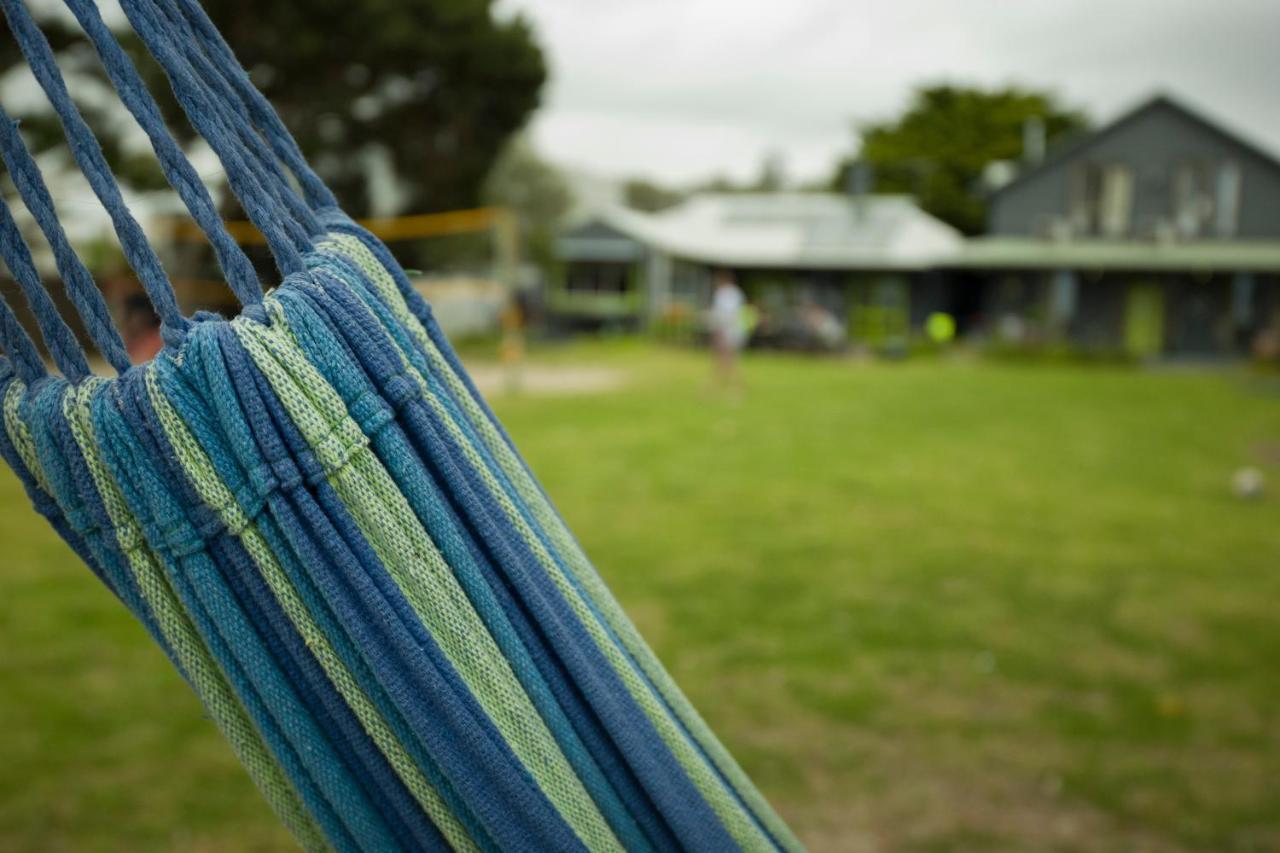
[
  {"x": 93, "y": 164},
  {"x": 63, "y": 346},
  {"x": 182, "y": 176}
]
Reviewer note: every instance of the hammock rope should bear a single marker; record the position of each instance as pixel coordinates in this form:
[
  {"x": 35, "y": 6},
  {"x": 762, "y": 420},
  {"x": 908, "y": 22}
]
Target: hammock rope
[{"x": 317, "y": 517}]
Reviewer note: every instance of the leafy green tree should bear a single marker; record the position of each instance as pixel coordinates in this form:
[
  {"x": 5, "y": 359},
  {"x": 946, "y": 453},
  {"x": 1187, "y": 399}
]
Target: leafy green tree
[
  {"x": 434, "y": 88},
  {"x": 937, "y": 149},
  {"x": 642, "y": 194},
  {"x": 535, "y": 191},
  {"x": 40, "y": 127},
  {"x": 439, "y": 85}
]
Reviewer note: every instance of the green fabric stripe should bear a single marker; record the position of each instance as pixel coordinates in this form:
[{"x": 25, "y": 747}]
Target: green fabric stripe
[
  {"x": 417, "y": 566},
  {"x": 20, "y": 435},
  {"x": 207, "y": 679},
  {"x": 727, "y": 808},
  {"x": 215, "y": 494}
]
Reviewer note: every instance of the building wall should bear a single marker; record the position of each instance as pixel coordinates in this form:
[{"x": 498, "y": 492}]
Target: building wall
[
  {"x": 1152, "y": 145},
  {"x": 1140, "y": 314}
]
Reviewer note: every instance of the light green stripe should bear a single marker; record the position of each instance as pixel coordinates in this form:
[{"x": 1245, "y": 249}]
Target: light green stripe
[
  {"x": 20, "y": 435},
  {"x": 726, "y": 806},
  {"x": 209, "y": 683},
  {"x": 737, "y": 821},
  {"x": 214, "y": 493},
  {"x": 401, "y": 543}
]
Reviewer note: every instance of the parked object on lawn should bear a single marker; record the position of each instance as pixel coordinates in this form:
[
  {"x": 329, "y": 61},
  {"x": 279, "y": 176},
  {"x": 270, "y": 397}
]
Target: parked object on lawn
[{"x": 1248, "y": 483}]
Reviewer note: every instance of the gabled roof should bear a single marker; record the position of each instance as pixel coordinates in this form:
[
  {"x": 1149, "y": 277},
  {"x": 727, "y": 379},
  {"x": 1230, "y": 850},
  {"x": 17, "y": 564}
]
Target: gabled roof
[
  {"x": 1081, "y": 142},
  {"x": 792, "y": 231}
]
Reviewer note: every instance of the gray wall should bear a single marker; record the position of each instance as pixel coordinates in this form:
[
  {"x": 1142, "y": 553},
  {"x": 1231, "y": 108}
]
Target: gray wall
[{"x": 1152, "y": 142}]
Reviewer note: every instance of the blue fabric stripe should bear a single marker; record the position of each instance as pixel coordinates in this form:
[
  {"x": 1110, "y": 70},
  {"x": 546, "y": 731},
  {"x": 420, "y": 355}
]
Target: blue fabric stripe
[
  {"x": 287, "y": 730},
  {"x": 292, "y": 541},
  {"x": 357, "y": 752},
  {"x": 335, "y": 356},
  {"x": 44, "y": 503},
  {"x": 465, "y": 742},
  {"x": 687, "y": 811},
  {"x": 621, "y": 777},
  {"x": 78, "y": 497}
]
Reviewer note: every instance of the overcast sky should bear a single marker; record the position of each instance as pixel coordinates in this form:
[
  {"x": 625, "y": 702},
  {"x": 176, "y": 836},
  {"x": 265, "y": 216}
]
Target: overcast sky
[{"x": 681, "y": 90}]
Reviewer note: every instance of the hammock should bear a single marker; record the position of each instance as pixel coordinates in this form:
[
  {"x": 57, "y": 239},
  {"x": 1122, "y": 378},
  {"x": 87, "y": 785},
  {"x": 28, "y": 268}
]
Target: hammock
[{"x": 319, "y": 520}]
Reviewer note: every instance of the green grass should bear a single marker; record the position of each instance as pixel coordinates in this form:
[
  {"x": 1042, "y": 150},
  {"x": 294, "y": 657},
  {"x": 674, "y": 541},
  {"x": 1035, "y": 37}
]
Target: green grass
[{"x": 930, "y": 605}]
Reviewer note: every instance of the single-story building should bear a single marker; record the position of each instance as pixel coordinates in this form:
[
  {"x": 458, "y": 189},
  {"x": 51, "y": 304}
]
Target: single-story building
[{"x": 868, "y": 262}]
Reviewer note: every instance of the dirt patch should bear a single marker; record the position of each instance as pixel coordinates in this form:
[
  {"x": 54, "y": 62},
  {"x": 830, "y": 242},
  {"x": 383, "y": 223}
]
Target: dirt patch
[{"x": 546, "y": 380}]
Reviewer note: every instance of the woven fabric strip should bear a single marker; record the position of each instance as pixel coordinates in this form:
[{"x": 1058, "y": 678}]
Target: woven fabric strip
[{"x": 317, "y": 517}]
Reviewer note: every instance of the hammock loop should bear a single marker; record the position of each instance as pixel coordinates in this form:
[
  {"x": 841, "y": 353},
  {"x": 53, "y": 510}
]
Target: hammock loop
[
  {"x": 239, "y": 271},
  {"x": 264, "y": 116},
  {"x": 251, "y": 137},
  {"x": 93, "y": 164},
  {"x": 85, "y": 296},
  {"x": 210, "y": 120}
]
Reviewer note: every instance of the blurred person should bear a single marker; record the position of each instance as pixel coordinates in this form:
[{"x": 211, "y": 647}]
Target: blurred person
[
  {"x": 141, "y": 328},
  {"x": 728, "y": 326},
  {"x": 511, "y": 350}
]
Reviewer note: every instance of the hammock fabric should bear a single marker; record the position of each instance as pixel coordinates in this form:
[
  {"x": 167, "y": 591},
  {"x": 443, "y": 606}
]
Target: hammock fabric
[{"x": 316, "y": 516}]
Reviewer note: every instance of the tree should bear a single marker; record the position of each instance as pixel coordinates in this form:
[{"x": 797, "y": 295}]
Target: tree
[
  {"x": 440, "y": 85},
  {"x": 534, "y": 191},
  {"x": 642, "y": 194},
  {"x": 938, "y": 148},
  {"x": 41, "y": 129},
  {"x": 434, "y": 88},
  {"x": 773, "y": 174}
]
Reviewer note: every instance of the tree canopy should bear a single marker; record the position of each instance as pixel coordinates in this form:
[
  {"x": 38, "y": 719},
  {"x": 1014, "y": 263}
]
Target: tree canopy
[
  {"x": 433, "y": 89},
  {"x": 649, "y": 196},
  {"x": 938, "y": 148},
  {"x": 535, "y": 191},
  {"x": 439, "y": 85}
]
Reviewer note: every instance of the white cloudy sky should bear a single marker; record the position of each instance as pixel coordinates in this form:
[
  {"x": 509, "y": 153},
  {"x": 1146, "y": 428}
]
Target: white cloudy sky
[{"x": 680, "y": 90}]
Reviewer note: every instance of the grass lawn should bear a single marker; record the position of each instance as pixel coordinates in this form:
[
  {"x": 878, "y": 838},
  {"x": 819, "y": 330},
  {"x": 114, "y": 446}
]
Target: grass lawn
[{"x": 928, "y": 605}]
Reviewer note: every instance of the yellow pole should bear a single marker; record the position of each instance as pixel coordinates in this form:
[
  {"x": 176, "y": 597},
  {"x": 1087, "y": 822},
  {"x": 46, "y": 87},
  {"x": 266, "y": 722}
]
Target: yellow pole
[{"x": 384, "y": 227}]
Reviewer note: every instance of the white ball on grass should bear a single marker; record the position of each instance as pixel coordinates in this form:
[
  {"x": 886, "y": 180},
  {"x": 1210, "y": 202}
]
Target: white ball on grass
[{"x": 1247, "y": 483}]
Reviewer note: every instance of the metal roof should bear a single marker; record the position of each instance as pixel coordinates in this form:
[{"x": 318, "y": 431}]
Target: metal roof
[
  {"x": 790, "y": 231},
  {"x": 878, "y": 232}
]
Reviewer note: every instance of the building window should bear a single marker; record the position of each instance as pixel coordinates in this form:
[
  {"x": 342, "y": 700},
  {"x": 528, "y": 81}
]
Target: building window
[
  {"x": 1102, "y": 199},
  {"x": 597, "y": 278},
  {"x": 1227, "y": 207},
  {"x": 1192, "y": 198},
  {"x": 1086, "y": 179},
  {"x": 1063, "y": 296},
  {"x": 1116, "y": 202},
  {"x": 1242, "y": 300}
]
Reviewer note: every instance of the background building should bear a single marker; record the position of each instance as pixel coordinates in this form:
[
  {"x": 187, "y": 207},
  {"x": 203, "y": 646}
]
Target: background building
[
  {"x": 1158, "y": 234},
  {"x": 866, "y": 264},
  {"x": 1155, "y": 235}
]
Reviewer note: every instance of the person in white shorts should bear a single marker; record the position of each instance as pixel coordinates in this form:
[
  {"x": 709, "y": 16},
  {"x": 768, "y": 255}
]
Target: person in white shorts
[{"x": 728, "y": 331}]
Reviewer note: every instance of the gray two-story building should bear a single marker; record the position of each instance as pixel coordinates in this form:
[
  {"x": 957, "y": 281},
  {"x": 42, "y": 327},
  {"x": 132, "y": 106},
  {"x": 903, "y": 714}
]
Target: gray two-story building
[{"x": 1157, "y": 234}]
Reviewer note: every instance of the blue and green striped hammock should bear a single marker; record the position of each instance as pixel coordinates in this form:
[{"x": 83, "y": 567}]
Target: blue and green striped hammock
[{"x": 319, "y": 520}]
